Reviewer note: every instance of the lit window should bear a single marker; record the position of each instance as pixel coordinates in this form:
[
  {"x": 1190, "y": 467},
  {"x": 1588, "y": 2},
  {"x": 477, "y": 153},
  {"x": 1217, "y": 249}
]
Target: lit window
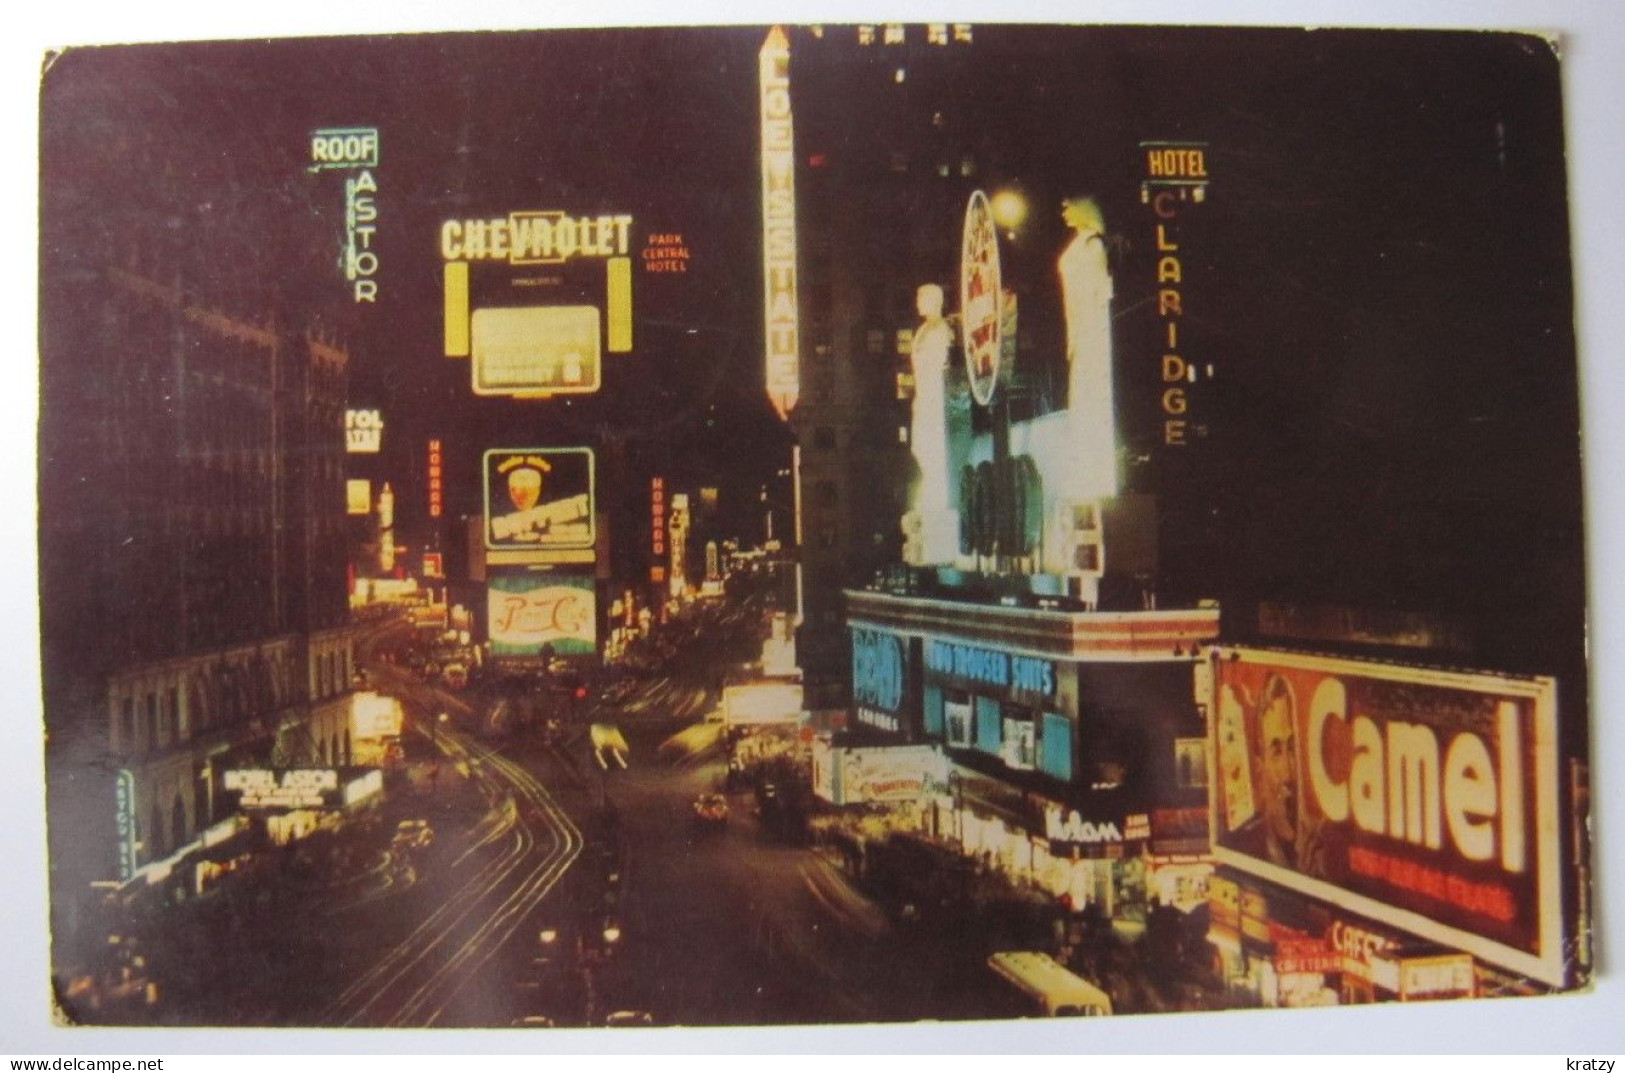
[
  {"x": 1019, "y": 748},
  {"x": 937, "y": 33},
  {"x": 1055, "y": 750},
  {"x": 894, "y": 35},
  {"x": 866, "y": 35},
  {"x": 900, "y": 76},
  {"x": 956, "y": 718},
  {"x": 989, "y": 725}
]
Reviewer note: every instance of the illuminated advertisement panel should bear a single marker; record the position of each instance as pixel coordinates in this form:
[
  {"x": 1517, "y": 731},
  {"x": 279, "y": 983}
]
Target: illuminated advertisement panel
[
  {"x": 363, "y": 432},
  {"x": 881, "y": 677},
  {"x": 357, "y": 496},
  {"x": 1424, "y": 799},
  {"x": 539, "y": 497},
  {"x": 536, "y": 350},
  {"x": 374, "y": 715},
  {"x": 525, "y": 611}
]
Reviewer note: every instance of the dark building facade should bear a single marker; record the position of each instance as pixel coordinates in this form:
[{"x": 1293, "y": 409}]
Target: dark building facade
[{"x": 193, "y": 583}]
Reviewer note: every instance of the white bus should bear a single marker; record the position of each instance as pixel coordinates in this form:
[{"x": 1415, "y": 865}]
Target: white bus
[{"x": 1050, "y": 989}]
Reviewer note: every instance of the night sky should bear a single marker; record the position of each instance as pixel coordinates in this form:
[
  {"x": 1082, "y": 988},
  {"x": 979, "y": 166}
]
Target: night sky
[{"x": 1381, "y": 278}]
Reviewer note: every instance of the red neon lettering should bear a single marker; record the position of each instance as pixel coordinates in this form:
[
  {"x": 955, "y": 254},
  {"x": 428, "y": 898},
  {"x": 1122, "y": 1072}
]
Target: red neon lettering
[{"x": 1483, "y": 899}]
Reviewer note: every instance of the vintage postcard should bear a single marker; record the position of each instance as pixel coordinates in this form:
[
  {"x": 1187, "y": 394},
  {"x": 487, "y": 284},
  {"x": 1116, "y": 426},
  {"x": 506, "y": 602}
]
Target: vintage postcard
[{"x": 809, "y": 524}]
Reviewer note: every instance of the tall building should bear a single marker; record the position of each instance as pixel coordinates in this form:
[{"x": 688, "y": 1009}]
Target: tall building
[
  {"x": 873, "y": 172},
  {"x": 192, "y": 532},
  {"x": 981, "y": 586}
]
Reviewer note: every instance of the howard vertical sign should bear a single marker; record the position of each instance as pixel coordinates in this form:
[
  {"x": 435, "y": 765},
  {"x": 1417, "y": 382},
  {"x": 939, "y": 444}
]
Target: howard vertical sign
[{"x": 782, "y": 342}]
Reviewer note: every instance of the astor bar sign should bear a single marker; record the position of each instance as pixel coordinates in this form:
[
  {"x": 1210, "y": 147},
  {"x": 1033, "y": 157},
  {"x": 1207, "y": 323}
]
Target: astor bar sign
[{"x": 1424, "y": 799}]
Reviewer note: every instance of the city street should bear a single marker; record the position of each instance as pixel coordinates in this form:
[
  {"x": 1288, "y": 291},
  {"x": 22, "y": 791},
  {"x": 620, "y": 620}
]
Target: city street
[{"x": 717, "y": 926}]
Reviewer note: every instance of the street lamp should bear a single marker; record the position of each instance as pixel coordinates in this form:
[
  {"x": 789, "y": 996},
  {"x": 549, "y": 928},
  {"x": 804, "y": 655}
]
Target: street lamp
[
  {"x": 1009, "y": 211},
  {"x": 956, "y": 787}
]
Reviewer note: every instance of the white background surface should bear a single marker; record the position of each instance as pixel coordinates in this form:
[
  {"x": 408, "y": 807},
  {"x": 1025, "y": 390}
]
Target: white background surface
[{"x": 1593, "y": 36}]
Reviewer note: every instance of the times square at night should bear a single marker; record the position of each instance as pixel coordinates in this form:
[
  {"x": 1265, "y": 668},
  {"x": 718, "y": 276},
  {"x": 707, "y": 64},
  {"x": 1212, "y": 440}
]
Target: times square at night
[{"x": 809, "y": 525}]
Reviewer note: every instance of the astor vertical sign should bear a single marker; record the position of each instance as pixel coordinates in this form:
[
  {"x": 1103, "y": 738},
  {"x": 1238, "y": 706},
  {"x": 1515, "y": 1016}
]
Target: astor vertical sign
[
  {"x": 354, "y": 149},
  {"x": 782, "y": 342}
]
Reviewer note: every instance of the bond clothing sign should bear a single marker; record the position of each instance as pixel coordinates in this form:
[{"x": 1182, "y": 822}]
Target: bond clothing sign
[
  {"x": 1424, "y": 799},
  {"x": 539, "y": 497}
]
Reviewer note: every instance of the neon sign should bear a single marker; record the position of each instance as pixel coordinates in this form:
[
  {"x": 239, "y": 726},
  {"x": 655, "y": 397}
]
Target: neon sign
[
  {"x": 535, "y": 238},
  {"x": 779, "y": 225},
  {"x": 979, "y": 296}
]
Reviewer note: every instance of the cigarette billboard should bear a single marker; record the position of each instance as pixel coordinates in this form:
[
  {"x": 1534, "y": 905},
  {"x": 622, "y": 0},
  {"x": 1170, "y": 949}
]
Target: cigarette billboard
[
  {"x": 1426, "y": 799},
  {"x": 538, "y": 497}
]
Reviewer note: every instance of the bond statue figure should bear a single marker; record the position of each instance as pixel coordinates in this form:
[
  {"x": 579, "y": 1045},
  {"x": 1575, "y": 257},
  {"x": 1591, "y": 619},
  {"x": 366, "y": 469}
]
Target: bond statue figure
[
  {"x": 1086, "y": 291},
  {"x": 1073, "y": 545},
  {"x": 931, "y": 527}
]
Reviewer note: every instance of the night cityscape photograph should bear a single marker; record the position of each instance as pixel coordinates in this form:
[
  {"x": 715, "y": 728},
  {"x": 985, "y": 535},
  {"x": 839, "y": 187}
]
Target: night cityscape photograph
[{"x": 809, "y": 524}]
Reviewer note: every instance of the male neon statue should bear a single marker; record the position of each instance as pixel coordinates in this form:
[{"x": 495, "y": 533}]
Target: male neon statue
[
  {"x": 931, "y": 529},
  {"x": 1086, "y": 292}
]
